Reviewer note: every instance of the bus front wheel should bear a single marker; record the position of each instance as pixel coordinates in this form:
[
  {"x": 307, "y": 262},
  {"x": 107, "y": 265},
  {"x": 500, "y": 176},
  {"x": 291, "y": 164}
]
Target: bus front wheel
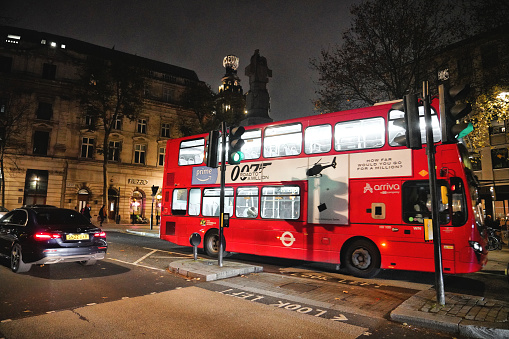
[
  {"x": 211, "y": 244},
  {"x": 362, "y": 259}
]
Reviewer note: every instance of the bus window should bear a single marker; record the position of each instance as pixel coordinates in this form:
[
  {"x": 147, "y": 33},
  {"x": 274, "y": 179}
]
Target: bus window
[
  {"x": 211, "y": 201},
  {"x": 317, "y": 139},
  {"x": 280, "y": 141},
  {"x": 191, "y": 152},
  {"x": 194, "y": 201},
  {"x": 179, "y": 201},
  {"x": 252, "y": 148},
  {"x": 359, "y": 134},
  {"x": 417, "y": 202},
  {"x": 280, "y": 202},
  {"x": 459, "y": 213},
  {"x": 246, "y": 203},
  {"x": 395, "y": 131}
]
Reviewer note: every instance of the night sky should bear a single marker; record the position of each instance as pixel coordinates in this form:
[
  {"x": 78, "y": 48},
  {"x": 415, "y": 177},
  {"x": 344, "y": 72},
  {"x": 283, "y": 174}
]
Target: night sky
[{"x": 197, "y": 34}]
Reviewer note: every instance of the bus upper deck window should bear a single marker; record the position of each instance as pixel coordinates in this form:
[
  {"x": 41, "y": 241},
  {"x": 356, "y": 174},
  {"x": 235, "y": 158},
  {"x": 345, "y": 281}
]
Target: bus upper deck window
[
  {"x": 252, "y": 144},
  {"x": 317, "y": 139},
  {"x": 280, "y": 141},
  {"x": 396, "y": 130},
  {"x": 359, "y": 134},
  {"x": 191, "y": 152}
]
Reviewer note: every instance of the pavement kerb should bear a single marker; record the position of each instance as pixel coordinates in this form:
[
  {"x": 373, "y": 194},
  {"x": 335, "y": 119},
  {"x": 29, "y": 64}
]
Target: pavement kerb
[{"x": 410, "y": 312}]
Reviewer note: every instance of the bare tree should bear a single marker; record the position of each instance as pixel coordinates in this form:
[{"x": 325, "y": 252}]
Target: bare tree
[
  {"x": 110, "y": 89},
  {"x": 14, "y": 111},
  {"x": 384, "y": 52}
]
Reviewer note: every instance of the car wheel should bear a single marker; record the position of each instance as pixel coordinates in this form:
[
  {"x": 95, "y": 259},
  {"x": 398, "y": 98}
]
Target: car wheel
[
  {"x": 362, "y": 259},
  {"x": 88, "y": 262},
  {"x": 17, "y": 264}
]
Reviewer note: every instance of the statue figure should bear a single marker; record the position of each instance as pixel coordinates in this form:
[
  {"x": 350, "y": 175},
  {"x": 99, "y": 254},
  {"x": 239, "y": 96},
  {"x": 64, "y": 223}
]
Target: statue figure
[
  {"x": 257, "y": 70},
  {"x": 257, "y": 99}
]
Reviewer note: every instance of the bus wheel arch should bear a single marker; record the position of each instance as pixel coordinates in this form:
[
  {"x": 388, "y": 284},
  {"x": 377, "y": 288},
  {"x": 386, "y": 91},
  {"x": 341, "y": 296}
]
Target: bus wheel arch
[{"x": 361, "y": 257}]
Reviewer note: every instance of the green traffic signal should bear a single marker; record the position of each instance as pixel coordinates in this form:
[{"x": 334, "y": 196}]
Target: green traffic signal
[{"x": 235, "y": 143}]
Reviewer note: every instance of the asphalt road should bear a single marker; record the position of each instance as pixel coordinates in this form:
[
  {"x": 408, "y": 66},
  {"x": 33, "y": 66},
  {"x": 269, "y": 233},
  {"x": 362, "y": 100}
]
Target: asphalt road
[{"x": 136, "y": 267}]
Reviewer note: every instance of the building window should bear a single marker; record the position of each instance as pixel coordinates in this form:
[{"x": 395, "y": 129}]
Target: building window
[
  {"x": 44, "y": 111},
  {"x": 499, "y": 158},
  {"x": 87, "y": 147},
  {"x": 147, "y": 91},
  {"x": 162, "y": 152},
  {"x": 165, "y": 130},
  {"x": 117, "y": 124},
  {"x": 5, "y": 64},
  {"x": 114, "y": 151},
  {"x": 141, "y": 126},
  {"x": 89, "y": 121},
  {"x": 167, "y": 94},
  {"x": 41, "y": 142},
  {"x": 49, "y": 71},
  {"x": 139, "y": 153},
  {"x": 475, "y": 160}
]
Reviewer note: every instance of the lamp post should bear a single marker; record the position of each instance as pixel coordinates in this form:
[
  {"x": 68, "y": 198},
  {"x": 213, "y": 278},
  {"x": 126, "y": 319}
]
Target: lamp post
[
  {"x": 154, "y": 192},
  {"x": 158, "y": 208}
]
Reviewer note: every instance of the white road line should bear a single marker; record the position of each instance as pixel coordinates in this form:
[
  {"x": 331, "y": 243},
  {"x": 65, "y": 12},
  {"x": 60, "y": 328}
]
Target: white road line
[
  {"x": 144, "y": 257},
  {"x": 130, "y": 263}
]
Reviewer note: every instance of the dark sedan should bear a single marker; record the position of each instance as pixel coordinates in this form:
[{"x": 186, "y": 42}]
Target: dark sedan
[{"x": 49, "y": 235}]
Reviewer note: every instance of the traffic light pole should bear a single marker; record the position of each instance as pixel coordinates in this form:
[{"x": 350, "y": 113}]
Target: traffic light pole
[
  {"x": 221, "y": 195},
  {"x": 430, "y": 151}
]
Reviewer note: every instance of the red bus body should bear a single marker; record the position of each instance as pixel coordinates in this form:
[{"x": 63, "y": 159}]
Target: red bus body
[{"x": 337, "y": 204}]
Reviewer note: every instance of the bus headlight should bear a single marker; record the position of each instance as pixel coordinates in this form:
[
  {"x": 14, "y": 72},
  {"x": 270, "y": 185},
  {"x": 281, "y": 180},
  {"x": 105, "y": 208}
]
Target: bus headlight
[{"x": 476, "y": 246}]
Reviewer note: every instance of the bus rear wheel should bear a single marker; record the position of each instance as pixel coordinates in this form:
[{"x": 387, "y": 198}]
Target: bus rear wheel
[{"x": 362, "y": 259}]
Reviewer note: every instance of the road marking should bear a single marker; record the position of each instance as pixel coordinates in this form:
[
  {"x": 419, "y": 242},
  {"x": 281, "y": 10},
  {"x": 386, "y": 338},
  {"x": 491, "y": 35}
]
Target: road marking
[
  {"x": 130, "y": 263},
  {"x": 303, "y": 309},
  {"x": 170, "y": 252},
  {"x": 144, "y": 257}
]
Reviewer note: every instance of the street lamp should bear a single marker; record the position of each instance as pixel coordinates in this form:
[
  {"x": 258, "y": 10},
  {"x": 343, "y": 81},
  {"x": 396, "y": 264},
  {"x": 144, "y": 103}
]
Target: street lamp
[{"x": 504, "y": 96}]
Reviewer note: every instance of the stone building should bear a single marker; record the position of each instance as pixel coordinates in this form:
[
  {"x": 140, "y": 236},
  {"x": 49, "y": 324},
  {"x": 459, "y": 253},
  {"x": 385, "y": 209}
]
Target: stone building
[{"x": 60, "y": 162}]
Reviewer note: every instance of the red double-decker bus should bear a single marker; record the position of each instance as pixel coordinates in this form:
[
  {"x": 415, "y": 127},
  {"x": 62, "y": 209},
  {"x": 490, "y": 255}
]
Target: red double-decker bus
[{"x": 334, "y": 188}]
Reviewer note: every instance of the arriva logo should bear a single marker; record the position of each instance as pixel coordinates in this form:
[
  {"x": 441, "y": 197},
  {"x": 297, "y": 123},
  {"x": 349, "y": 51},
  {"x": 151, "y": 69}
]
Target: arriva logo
[{"x": 382, "y": 189}]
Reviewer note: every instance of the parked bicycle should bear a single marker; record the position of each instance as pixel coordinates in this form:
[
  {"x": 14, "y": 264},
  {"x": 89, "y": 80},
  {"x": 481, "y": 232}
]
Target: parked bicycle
[{"x": 494, "y": 240}]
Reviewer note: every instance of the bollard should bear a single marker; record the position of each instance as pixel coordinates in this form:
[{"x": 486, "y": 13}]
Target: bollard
[{"x": 195, "y": 240}]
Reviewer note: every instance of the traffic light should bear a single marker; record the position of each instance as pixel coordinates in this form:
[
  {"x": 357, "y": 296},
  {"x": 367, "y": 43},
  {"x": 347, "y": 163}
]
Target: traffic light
[
  {"x": 411, "y": 122},
  {"x": 235, "y": 143},
  {"x": 212, "y": 149},
  {"x": 451, "y": 112}
]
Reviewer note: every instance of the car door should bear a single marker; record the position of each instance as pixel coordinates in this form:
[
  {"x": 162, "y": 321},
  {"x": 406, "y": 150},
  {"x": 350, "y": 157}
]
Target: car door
[{"x": 6, "y": 236}]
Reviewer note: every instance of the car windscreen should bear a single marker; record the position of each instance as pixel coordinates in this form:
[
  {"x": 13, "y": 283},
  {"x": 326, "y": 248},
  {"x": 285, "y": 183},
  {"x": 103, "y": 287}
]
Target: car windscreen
[{"x": 60, "y": 217}]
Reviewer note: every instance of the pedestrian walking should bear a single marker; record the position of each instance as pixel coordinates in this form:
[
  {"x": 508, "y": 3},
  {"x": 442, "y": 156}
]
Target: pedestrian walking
[
  {"x": 102, "y": 215},
  {"x": 86, "y": 211}
]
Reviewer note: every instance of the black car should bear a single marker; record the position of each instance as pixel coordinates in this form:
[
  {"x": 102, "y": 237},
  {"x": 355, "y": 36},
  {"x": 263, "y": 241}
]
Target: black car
[{"x": 49, "y": 235}]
